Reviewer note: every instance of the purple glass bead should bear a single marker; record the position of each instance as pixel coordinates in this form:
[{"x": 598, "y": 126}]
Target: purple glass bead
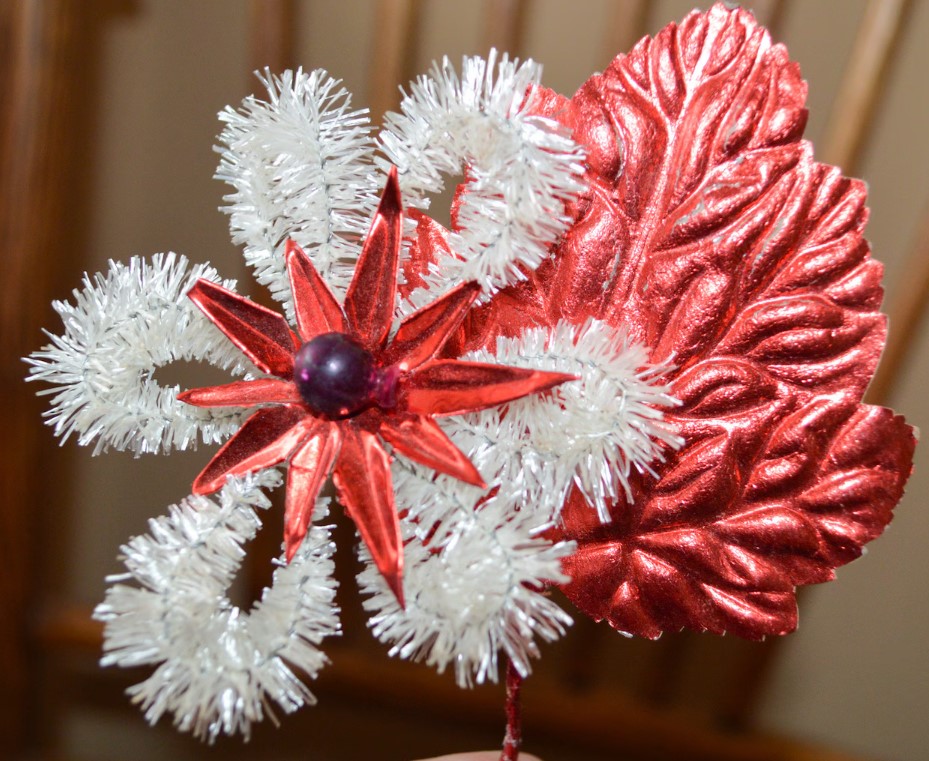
[{"x": 336, "y": 376}]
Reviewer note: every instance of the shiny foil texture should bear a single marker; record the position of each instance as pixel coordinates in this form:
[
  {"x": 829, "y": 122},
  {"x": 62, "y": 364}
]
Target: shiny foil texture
[
  {"x": 352, "y": 447},
  {"x": 715, "y": 239}
]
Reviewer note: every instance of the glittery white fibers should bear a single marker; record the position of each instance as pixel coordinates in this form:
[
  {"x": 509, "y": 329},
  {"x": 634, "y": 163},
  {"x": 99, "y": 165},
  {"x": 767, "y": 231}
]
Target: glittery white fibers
[
  {"x": 474, "y": 583},
  {"x": 300, "y": 164},
  {"x": 219, "y": 668},
  {"x": 590, "y": 433},
  {"x": 121, "y": 328},
  {"x": 522, "y": 168},
  {"x": 476, "y": 571}
]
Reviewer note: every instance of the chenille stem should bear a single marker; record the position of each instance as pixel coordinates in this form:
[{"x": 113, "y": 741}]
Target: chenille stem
[{"x": 514, "y": 719}]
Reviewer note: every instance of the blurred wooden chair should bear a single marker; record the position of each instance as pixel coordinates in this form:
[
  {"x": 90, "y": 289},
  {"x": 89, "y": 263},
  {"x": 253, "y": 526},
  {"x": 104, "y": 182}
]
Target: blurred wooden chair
[
  {"x": 684, "y": 697},
  {"x": 37, "y": 57}
]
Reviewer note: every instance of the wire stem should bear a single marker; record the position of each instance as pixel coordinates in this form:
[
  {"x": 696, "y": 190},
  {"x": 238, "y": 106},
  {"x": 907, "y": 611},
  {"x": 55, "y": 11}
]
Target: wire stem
[{"x": 514, "y": 718}]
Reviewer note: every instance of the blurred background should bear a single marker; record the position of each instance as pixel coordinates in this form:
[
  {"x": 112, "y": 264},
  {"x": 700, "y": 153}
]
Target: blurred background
[{"x": 108, "y": 111}]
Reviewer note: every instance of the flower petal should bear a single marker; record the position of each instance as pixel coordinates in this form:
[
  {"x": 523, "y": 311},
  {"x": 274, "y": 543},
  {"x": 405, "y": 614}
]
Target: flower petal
[
  {"x": 451, "y": 387},
  {"x": 425, "y": 331},
  {"x": 308, "y": 469},
  {"x": 265, "y": 439},
  {"x": 420, "y": 438},
  {"x": 316, "y": 309},
  {"x": 371, "y": 296},
  {"x": 262, "y": 335},
  {"x": 243, "y": 394},
  {"x": 362, "y": 479}
]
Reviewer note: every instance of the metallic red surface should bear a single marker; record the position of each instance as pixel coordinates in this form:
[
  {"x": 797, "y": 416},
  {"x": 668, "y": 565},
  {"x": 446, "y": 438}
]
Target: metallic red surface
[
  {"x": 306, "y": 474},
  {"x": 712, "y": 236},
  {"x": 451, "y": 387},
  {"x": 425, "y": 331},
  {"x": 513, "y": 739},
  {"x": 362, "y": 480},
  {"x": 265, "y": 439},
  {"x": 371, "y": 296},
  {"x": 243, "y": 394},
  {"x": 262, "y": 335},
  {"x": 419, "y": 438},
  {"x": 352, "y": 445},
  {"x": 316, "y": 309}
]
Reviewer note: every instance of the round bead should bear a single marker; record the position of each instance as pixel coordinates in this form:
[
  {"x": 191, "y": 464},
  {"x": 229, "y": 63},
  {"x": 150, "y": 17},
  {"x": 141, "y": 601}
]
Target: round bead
[{"x": 336, "y": 376}]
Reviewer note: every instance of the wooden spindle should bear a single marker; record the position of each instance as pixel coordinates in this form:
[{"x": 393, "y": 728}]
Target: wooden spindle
[
  {"x": 36, "y": 66},
  {"x": 626, "y": 24},
  {"x": 503, "y": 25},
  {"x": 391, "y": 51},
  {"x": 871, "y": 55},
  {"x": 272, "y": 34},
  {"x": 905, "y": 313}
]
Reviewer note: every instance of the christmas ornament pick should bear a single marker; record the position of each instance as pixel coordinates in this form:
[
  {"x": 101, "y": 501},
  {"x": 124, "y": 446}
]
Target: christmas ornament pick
[{"x": 664, "y": 239}]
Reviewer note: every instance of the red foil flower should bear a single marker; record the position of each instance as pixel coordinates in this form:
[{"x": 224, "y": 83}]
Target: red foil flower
[
  {"x": 713, "y": 238},
  {"x": 344, "y": 386}
]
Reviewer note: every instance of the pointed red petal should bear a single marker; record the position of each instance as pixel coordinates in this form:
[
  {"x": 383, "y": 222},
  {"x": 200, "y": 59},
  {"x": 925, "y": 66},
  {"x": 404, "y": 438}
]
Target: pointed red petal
[
  {"x": 369, "y": 302},
  {"x": 265, "y": 439},
  {"x": 316, "y": 308},
  {"x": 425, "y": 331},
  {"x": 451, "y": 387},
  {"x": 262, "y": 335},
  {"x": 362, "y": 478},
  {"x": 306, "y": 474},
  {"x": 243, "y": 394},
  {"x": 421, "y": 439}
]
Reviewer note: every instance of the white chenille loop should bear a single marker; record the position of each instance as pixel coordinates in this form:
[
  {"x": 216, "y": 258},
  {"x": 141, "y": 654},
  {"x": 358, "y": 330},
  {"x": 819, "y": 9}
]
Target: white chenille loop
[
  {"x": 591, "y": 433},
  {"x": 219, "y": 669},
  {"x": 122, "y": 327},
  {"x": 300, "y": 167},
  {"x": 474, "y": 580},
  {"x": 522, "y": 168}
]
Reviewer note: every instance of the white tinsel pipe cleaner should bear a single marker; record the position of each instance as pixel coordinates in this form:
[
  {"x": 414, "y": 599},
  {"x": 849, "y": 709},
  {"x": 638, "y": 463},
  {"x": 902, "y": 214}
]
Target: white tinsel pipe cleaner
[
  {"x": 219, "y": 669},
  {"x": 522, "y": 168},
  {"x": 300, "y": 166},
  {"x": 122, "y": 326},
  {"x": 591, "y": 433},
  {"x": 474, "y": 585}
]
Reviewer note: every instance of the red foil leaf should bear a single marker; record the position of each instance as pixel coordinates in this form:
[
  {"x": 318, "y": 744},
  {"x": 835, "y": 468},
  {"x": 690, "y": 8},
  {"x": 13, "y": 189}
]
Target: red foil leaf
[
  {"x": 420, "y": 438},
  {"x": 371, "y": 296},
  {"x": 265, "y": 439},
  {"x": 571, "y": 286},
  {"x": 243, "y": 394},
  {"x": 794, "y": 449},
  {"x": 316, "y": 309},
  {"x": 809, "y": 340},
  {"x": 790, "y": 528},
  {"x": 741, "y": 260},
  {"x": 365, "y": 488},
  {"x": 711, "y": 236},
  {"x": 262, "y": 335},
  {"x": 308, "y": 470},
  {"x": 430, "y": 241},
  {"x": 722, "y": 387},
  {"x": 708, "y": 552},
  {"x": 452, "y": 387}
]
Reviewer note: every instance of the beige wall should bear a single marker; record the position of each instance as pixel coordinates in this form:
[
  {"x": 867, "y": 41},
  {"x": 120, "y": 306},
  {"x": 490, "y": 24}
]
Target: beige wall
[{"x": 857, "y": 673}]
